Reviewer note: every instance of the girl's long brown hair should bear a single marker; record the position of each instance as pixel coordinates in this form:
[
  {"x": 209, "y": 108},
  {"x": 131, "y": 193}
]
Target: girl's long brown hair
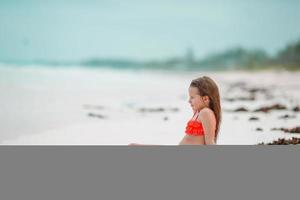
[{"x": 207, "y": 87}]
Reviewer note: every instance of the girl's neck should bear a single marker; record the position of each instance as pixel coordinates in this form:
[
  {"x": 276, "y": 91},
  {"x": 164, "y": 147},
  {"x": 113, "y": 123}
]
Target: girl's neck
[{"x": 196, "y": 113}]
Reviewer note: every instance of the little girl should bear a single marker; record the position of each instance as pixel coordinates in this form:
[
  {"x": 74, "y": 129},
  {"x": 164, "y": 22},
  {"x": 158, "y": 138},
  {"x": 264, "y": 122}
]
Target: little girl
[
  {"x": 204, "y": 99},
  {"x": 204, "y": 126}
]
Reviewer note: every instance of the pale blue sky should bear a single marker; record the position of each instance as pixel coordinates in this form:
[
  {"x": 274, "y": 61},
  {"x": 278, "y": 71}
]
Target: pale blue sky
[{"x": 76, "y": 30}]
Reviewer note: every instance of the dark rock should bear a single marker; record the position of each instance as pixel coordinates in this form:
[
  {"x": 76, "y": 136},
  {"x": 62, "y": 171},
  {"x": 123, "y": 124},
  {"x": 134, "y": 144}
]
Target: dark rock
[
  {"x": 287, "y": 116},
  {"x": 273, "y": 107},
  {"x": 255, "y": 90},
  {"x": 282, "y": 141},
  {"x": 293, "y": 130},
  {"x": 229, "y": 99},
  {"x": 287, "y": 130},
  {"x": 152, "y": 110},
  {"x": 174, "y": 109},
  {"x": 296, "y": 109},
  {"x": 96, "y": 115},
  {"x": 277, "y": 129},
  {"x": 278, "y": 107},
  {"x": 252, "y": 98},
  {"x": 253, "y": 118},
  {"x": 241, "y": 109},
  {"x": 166, "y": 118},
  {"x": 259, "y": 129}
]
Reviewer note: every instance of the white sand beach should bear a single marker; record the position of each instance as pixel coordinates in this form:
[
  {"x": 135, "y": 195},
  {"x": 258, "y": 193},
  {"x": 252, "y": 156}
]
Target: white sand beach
[{"x": 78, "y": 106}]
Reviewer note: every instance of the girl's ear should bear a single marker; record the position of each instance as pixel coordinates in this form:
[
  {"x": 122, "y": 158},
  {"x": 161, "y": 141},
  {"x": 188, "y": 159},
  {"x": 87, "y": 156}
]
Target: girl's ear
[{"x": 206, "y": 100}]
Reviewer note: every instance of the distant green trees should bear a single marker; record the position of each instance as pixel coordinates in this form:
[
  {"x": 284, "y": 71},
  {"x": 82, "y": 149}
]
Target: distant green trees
[
  {"x": 234, "y": 58},
  {"x": 240, "y": 58},
  {"x": 289, "y": 57}
]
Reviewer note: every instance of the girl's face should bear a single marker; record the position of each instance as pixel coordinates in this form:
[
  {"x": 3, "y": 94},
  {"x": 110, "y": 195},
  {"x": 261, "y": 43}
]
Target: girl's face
[{"x": 196, "y": 101}]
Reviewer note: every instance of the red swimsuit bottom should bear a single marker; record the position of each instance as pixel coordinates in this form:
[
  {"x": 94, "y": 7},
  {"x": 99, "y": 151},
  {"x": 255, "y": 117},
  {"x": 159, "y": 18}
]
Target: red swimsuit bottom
[{"x": 194, "y": 127}]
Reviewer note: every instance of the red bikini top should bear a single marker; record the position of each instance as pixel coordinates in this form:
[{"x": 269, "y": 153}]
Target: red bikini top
[{"x": 194, "y": 127}]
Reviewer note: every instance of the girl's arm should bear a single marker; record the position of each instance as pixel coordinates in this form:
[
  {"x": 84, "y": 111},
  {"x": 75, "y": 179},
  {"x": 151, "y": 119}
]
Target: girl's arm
[{"x": 208, "y": 120}]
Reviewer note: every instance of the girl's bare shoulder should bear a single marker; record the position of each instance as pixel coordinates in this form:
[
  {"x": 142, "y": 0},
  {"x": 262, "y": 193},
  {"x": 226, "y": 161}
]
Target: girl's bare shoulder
[{"x": 206, "y": 113}]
